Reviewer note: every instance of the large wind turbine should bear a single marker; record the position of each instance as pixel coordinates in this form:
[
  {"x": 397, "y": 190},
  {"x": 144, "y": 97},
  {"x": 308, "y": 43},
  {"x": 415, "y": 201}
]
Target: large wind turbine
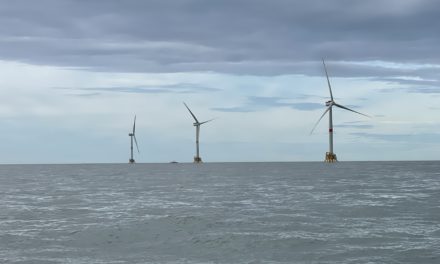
[
  {"x": 197, "y": 124},
  {"x": 132, "y": 136},
  {"x": 330, "y": 156}
]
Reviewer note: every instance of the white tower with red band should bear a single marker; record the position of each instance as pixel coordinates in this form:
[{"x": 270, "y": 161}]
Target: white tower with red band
[
  {"x": 197, "y": 124},
  {"x": 132, "y": 136},
  {"x": 330, "y": 156}
]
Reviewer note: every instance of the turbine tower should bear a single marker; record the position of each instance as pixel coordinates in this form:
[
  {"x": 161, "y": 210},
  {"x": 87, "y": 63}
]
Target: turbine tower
[
  {"x": 132, "y": 136},
  {"x": 330, "y": 156},
  {"x": 197, "y": 124}
]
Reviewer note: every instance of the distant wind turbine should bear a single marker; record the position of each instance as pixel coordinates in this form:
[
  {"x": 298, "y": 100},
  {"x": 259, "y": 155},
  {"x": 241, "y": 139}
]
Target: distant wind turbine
[
  {"x": 197, "y": 124},
  {"x": 132, "y": 136},
  {"x": 330, "y": 156}
]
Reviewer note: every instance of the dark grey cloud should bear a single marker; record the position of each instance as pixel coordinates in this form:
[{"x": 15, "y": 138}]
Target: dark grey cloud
[
  {"x": 233, "y": 36},
  {"x": 181, "y": 88}
]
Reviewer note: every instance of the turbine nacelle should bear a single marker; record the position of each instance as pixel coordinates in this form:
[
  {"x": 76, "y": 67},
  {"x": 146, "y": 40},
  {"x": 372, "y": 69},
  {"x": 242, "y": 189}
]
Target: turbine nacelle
[
  {"x": 130, "y": 134},
  {"x": 329, "y": 103},
  {"x": 201, "y": 123}
]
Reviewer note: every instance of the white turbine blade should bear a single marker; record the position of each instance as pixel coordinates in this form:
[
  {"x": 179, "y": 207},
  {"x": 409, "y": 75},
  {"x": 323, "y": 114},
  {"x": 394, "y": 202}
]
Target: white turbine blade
[
  {"x": 134, "y": 125},
  {"x": 207, "y": 121},
  {"x": 195, "y": 118},
  {"x": 328, "y": 80},
  {"x": 325, "y": 112},
  {"x": 136, "y": 143},
  {"x": 346, "y": 108}
]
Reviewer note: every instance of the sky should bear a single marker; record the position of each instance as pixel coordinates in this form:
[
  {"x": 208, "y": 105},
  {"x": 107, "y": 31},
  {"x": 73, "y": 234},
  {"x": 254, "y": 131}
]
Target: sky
[{"x": 74, "y": 73}]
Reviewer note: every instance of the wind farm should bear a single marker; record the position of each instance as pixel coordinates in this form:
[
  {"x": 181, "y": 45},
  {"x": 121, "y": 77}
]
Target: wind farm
[
  {"x": 197, "y": 124},
  {"x": 132, "y": 136},
  {"x": 325, "y": 145},
  {"x": 330, "y": 156}
]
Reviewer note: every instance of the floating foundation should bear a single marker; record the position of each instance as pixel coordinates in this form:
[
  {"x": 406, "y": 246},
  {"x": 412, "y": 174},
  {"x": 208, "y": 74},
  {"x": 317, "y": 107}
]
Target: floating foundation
[
  {"x": 198, "y": 160},
  {"x": 330, "y": 157},
  {"x": 131, "y": 161}
]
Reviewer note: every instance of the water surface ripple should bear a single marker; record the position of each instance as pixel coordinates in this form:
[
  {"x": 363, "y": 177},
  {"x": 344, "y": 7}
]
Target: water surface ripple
[{"x": 349, "y": 212}]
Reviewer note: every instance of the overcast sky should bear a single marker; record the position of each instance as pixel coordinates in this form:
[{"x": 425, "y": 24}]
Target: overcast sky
[{"x": 73, "y": 73}]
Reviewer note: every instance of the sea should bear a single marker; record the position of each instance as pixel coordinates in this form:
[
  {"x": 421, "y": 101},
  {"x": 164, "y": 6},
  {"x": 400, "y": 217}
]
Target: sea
[{"x": 311, "y": 212}]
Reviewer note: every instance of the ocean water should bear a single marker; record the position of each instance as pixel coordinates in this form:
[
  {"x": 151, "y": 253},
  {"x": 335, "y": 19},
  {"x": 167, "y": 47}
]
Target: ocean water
[{"x": 349, "y": 212}]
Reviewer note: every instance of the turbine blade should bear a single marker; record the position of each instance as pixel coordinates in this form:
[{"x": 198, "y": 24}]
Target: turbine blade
[
  {"x": 207, "y": 121},
  {"x": 195, "y": 118},
  {"x": 325, "y": 112},
  {"x": 134, "y": 125},
  {"x": 346, "y": 108},
  {"x": 136, "y": 143},
  {"x": 328, "y": 80}
]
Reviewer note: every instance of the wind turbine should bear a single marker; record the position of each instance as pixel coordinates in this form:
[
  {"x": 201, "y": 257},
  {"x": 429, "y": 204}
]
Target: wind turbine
[
  {"x": 197, "y": 124},
  {"x": 132, "y": 136},
  {"x": 330, "y": 156}
]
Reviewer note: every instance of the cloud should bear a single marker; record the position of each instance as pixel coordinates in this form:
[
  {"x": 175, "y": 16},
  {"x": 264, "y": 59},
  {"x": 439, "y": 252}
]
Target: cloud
[
  {"x": 414, "y": 89},
  {"x": 427, "y": 90},
  {"x": 239, "y": 37},
  {"x": 420, "y": 138},
  {"x": 182, "y": 88},
  {"x": 233, "y": 109},
  {"x": 355, "y": 124},
  {"x": 307, "y": 106},
  {"x": 256, "y": 103},
  {"x": 269, "y": 102},
  {"x": 87, "y": 94}
]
